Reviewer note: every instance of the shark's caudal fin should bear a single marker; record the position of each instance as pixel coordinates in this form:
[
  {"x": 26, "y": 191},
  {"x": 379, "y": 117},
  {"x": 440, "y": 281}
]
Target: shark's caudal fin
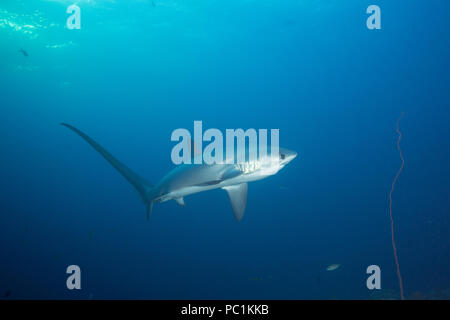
[{"x": 143, "y": 187}]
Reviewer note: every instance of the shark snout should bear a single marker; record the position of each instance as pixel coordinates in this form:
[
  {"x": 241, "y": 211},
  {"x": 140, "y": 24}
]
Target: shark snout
[
  {"x": 287, "y": 156},
  {"x": 292, "y": 156}
]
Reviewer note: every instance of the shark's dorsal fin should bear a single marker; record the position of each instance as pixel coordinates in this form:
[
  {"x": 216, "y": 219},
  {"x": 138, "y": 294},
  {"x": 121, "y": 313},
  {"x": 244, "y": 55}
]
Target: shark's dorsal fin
[
  {"x": 238, "y": 199},
  {"x": 195, "y": 150}
]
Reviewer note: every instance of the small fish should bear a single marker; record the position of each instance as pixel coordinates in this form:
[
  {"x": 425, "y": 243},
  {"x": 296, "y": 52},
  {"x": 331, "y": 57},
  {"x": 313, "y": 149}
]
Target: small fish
[
  {"x": 25, "y": 54},
  {"x": 333, "y": 267},
  {"x": 64, "y": 84}
]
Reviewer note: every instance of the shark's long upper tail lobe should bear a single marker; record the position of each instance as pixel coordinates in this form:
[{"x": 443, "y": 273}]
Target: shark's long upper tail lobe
[{"x": 143, "y": 187}]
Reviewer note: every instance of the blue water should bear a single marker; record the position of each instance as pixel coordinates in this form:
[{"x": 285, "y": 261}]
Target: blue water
[{"x": 137, "y": 71}]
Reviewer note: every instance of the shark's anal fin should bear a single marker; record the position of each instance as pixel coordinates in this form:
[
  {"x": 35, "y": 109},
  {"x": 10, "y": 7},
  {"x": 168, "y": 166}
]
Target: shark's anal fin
[
  {"x": 180, "y": 201},
  {"x": 238, "y": 199}
]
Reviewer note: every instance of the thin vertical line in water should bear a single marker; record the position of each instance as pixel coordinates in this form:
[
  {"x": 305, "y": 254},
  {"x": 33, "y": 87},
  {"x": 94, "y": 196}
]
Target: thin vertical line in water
[{"x": 399, "y": 276}]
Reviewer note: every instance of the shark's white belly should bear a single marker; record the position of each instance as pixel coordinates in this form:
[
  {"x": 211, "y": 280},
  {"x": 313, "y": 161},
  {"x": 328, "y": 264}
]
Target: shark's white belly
[{"x": 188, "y": 190}]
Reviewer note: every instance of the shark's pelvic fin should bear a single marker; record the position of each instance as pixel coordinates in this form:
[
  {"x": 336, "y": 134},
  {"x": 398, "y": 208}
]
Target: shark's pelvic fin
[
  {"x": 238, "y": 199},
  {"x": 149, "y": 209},
  {"x": 180, "y": 201},
  {"x": 143, "y": 187}
]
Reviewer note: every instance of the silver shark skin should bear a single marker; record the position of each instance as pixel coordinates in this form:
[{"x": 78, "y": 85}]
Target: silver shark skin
[{"x": 187, "y": 179}]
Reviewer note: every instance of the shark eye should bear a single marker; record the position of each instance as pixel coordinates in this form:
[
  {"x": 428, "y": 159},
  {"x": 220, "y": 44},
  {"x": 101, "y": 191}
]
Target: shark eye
[{"x": 282, "y": 156}]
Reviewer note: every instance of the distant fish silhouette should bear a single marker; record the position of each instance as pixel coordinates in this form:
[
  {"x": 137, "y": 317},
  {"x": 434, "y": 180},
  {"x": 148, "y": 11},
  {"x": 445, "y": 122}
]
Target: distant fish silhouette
[
  {"x": 153, "y": 4},
  {"x": 333, "y": 267},
  {"x": 8, "y": 293},
  {"x": 25, "y": 54}
]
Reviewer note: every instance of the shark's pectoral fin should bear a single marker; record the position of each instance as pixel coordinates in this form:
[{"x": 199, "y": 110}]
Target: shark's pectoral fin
[
  {"x": 238, "y": 199},
  {"x": 180, "y": 201}
]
